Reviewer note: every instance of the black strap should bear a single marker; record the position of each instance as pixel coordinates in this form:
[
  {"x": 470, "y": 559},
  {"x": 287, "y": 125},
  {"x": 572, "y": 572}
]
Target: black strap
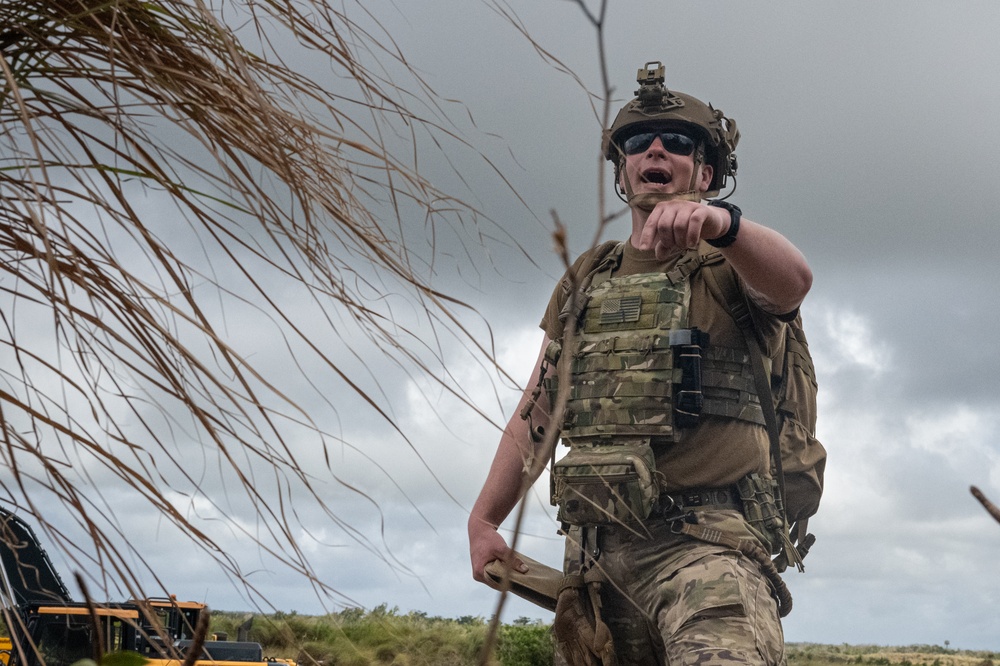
[{"x": 722, "y": 282}]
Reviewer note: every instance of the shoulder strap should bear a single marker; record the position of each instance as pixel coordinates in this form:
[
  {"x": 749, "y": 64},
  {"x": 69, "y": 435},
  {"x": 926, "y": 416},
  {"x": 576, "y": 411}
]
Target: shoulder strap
[
  {"x": 608, "y": 258},
  {"x": 723, "y": 285}
]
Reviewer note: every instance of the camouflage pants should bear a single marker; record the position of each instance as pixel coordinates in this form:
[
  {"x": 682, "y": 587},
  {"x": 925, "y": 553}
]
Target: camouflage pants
[{"x": 672, "y": 600}]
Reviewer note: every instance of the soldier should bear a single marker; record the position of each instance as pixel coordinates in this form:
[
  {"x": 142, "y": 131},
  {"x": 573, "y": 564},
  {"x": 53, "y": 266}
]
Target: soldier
[{"x": 666, "y": 495}]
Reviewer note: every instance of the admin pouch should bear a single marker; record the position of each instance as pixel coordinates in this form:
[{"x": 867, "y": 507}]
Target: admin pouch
[{"x": 605, "y": 484}]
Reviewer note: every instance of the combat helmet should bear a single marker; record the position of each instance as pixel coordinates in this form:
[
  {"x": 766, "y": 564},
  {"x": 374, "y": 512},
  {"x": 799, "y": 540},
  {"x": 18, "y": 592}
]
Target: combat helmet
[{"x": 656, "y": 106}]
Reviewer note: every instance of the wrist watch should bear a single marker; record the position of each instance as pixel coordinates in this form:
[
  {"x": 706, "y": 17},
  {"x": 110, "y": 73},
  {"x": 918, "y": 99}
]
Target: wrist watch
[{"x": 728, "y": 238}]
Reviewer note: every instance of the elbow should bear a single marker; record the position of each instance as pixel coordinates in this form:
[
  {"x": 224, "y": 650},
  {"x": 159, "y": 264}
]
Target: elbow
[
  {"x": 805, "y": 281},
  {"x": 787, "y": 292},
  {"x": 797, "y": 288}
]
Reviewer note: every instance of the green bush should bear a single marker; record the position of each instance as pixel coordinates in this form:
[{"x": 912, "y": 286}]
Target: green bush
[{"x": 525, "y": 645}]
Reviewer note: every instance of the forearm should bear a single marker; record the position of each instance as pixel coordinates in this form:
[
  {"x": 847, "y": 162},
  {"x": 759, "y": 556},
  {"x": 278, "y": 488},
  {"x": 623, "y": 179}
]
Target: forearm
[
  {"x": 516, "y": 464},
  {"x": 774, "y": 270},
  {"x": 510, "y": 475}
]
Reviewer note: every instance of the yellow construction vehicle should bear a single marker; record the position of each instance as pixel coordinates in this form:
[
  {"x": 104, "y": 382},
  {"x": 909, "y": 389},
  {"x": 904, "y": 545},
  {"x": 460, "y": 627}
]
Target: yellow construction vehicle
[{"x": 48, "y": 628}]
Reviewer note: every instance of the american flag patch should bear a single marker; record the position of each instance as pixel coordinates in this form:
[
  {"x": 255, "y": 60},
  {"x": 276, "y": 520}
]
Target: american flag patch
[{"x": 621, "y": 310}]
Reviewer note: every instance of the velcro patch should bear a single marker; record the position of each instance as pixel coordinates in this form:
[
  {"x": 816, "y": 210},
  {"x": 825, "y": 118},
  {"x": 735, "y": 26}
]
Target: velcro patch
[{"x": 621, "y": 310}]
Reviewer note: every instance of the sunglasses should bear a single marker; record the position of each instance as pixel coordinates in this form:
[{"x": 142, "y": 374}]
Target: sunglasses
[{"x": 678, "y": 144}]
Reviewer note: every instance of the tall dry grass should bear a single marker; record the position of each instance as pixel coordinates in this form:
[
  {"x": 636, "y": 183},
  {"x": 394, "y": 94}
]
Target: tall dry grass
[
  {"x": 177, "y": 191},
  {"x": 175, "y": 194}
]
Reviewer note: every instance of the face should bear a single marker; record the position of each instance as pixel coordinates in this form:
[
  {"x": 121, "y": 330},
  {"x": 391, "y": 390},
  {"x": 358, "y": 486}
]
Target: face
[{"x": 662, "y": 160}]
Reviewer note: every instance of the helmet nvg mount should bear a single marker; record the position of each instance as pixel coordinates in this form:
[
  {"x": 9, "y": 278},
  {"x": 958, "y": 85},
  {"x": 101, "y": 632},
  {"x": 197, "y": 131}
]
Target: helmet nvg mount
[{"x": 656, "y": 107}]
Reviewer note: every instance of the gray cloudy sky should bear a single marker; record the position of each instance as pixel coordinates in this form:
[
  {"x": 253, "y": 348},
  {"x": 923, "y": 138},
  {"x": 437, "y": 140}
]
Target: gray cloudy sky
[
  {"x": 870, "y": 139},
  {"x": 869, "y": 136}
]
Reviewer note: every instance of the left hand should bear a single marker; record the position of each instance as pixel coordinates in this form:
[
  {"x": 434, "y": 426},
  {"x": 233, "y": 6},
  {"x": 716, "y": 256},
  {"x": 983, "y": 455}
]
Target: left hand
[{"x": 675, "y": 226}]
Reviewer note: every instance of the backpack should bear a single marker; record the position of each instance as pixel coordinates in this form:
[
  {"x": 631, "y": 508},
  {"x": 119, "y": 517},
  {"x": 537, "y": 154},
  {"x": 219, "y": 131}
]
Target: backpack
[
  {"x": 798, "y": 459},
  {"x": 803, "y": 457}
]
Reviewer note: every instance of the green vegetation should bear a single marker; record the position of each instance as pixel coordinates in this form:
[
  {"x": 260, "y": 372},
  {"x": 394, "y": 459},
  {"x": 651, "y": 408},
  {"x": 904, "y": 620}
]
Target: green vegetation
[
  {"x": 384, "y": 636},
  {"x": 811, "y": 654}
]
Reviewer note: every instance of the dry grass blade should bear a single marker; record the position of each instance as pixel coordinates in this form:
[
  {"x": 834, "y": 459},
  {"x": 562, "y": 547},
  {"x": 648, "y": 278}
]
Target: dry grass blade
[
  {"x": 161, "y": 174},
  {"x": 198, "y": 642},
  {"x": 95, "y": 625}
]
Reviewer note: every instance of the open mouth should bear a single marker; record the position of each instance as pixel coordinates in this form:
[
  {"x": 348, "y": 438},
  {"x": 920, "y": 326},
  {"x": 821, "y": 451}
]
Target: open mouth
[{"x": 656, "y": 176}]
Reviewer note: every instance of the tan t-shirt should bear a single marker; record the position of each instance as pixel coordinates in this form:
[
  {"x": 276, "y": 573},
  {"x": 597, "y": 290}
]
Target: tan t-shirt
[{"x": 718, "y": 451}]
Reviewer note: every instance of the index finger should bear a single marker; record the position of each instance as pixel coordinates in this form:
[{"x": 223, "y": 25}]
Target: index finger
[{"x": 657, "y": 228}]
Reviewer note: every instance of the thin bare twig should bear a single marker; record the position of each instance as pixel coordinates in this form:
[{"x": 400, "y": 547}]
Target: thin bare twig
[
  {"x": 988, "y": 505},
  {"x": 544, "y": 451}
]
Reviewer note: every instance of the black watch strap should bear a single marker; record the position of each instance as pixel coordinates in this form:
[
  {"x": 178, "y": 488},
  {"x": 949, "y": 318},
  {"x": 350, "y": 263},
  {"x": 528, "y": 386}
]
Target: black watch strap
[{"x": 728, "y": 238}]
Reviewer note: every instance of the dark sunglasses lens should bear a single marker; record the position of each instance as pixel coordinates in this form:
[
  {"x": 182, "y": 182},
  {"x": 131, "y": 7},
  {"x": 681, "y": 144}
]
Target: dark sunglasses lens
[
  {"x": 638, "y": 143},
  {"x": 678, "y": 144}
]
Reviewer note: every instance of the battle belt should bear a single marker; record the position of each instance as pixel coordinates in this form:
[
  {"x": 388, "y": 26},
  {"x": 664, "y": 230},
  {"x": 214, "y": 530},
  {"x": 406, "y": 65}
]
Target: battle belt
[{"x": 727, "y": 497}]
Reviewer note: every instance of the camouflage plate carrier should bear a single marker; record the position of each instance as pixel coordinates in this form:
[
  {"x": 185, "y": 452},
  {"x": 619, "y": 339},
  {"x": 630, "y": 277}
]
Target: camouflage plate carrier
[{"x": 639, "y": 374}]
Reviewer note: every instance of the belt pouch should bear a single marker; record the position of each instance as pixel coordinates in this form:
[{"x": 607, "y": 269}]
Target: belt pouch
[{"x": 605, "y": 484}]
